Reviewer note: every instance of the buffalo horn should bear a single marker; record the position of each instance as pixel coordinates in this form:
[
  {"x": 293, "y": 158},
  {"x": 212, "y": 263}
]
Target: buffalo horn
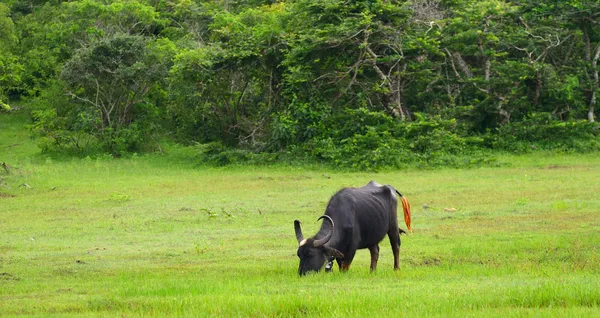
[
  {"x": 324, "y": 240},
  {"x": 299, "y": 235}
]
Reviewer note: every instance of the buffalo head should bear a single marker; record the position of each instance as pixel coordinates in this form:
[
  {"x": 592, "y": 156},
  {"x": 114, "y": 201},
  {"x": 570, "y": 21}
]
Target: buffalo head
[{"x": 312, "y": 252}]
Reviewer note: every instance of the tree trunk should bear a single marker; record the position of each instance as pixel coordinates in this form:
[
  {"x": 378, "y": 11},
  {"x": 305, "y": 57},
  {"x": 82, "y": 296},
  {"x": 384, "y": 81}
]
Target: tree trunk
[
  {"x": 538, "y": 87},
  {"x": 592, "y": 62},
  {"x": 505, "y": 115},
  {"x": 462, "y": 64},
  {"x": 586, "y": 41},
  {"x": 394, "y": 92},
  {"x": 596, "y": 85},
  {"x": 399, "y": 92},
  {"x": 488, "y": 69}
]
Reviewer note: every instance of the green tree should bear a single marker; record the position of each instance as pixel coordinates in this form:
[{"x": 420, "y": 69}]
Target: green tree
[
  {"x": 113, "y": 78},
  {"x": 347, "y": 54},
  {"x": 54, "y": 31},
  {"x": 224, "y": 91},
  {"x": 580, "y": 18},
  {"x": 358, "y": 83},
  {"x": 10, "y": 68}
]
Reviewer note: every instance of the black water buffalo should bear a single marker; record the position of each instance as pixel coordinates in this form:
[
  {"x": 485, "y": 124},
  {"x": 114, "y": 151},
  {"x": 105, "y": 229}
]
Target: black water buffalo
[{"x": 355, "y": 218}]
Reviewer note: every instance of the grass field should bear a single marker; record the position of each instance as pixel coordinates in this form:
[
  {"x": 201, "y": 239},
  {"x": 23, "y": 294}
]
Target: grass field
[{"x": 158, "y": 236}]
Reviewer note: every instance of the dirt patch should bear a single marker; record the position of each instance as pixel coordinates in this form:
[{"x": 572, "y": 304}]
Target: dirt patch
[
  {"x": 426, "y": 261},
  {"x": 431, "y": 261},
  {"x": 285, "y": 178},
  {"x": 7, "y": 276},
  {"x": 6, "y": 195},
  {"x": 557, "y": 167}
]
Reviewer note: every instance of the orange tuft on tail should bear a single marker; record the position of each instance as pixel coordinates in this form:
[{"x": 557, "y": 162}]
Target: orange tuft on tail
[{"x": 406, "y": 208}]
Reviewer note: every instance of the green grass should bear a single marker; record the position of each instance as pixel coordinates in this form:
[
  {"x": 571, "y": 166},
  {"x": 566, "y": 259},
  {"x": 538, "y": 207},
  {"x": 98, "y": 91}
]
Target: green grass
[{"x": 156, "y": 236}]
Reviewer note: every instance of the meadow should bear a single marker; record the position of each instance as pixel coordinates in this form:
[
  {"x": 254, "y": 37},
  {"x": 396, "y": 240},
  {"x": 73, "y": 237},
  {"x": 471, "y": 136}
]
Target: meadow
[{"x": 159, "y": 235}]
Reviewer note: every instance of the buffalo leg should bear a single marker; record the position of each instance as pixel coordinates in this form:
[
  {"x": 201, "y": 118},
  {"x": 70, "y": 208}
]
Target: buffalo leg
[
  {"x": 395, "y": 242},
  {"x": 347, "y": 260},
  {"x": 374, "y": 256},
  {"x": 349, "y": 248},
  {"x": 344, "y": 266}
]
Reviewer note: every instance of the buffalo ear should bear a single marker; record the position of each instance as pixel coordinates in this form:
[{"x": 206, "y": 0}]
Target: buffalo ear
[{"x": 332, "y": 252}]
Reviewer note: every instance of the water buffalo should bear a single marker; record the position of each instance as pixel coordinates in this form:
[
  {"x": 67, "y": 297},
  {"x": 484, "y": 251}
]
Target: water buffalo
[{"x": 355, "y": 218}]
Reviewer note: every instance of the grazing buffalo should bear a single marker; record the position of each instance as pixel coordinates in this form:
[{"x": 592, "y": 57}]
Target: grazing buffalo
[{"x": 355, "y": 218}]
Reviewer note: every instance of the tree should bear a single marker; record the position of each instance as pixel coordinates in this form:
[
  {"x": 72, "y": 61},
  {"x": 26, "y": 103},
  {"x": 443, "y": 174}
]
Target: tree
[
  {"x": 346, "y": 54},
  {"x": 581, "y": 19},
  {"x": 113, "y": 77},
  {"x": 225, "y": 91},
  {"x": 55, "y": 30},
  {"x": 341, "y": 80},
  {"x": 10, "y": 68}
]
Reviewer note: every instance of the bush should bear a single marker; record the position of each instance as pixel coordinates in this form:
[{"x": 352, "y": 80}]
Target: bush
[
  {"x": 4, "y": 108},
  {"x": 63, "y": 126},
  {"x": 360, "y": 139},
  {"x": 215, "y": 153},
  {"x": 542, "y": 131}
]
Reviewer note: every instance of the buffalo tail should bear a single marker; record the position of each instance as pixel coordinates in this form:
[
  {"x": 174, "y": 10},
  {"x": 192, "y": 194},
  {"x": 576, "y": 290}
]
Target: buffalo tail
[{"x": 406, "y": 208}]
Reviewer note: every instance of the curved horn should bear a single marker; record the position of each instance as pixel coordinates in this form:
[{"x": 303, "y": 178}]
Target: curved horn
[
  {"x": 327, "y": 237},
  {"x": 299, "y": 235}
]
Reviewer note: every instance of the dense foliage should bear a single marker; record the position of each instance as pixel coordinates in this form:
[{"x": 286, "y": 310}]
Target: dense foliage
[{"x": 361, "y": 84}]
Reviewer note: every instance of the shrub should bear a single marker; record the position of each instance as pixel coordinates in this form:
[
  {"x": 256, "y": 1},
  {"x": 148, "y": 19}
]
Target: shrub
[
  {"x": 360, "y": 139},
  {"x": 542, "y": 131},
  {"x": 215, "y": 153},
  {"x": 4, "y": 108}
]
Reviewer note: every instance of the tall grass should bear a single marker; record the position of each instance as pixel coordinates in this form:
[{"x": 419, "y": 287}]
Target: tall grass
[{"x": 160, "y": 236}]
